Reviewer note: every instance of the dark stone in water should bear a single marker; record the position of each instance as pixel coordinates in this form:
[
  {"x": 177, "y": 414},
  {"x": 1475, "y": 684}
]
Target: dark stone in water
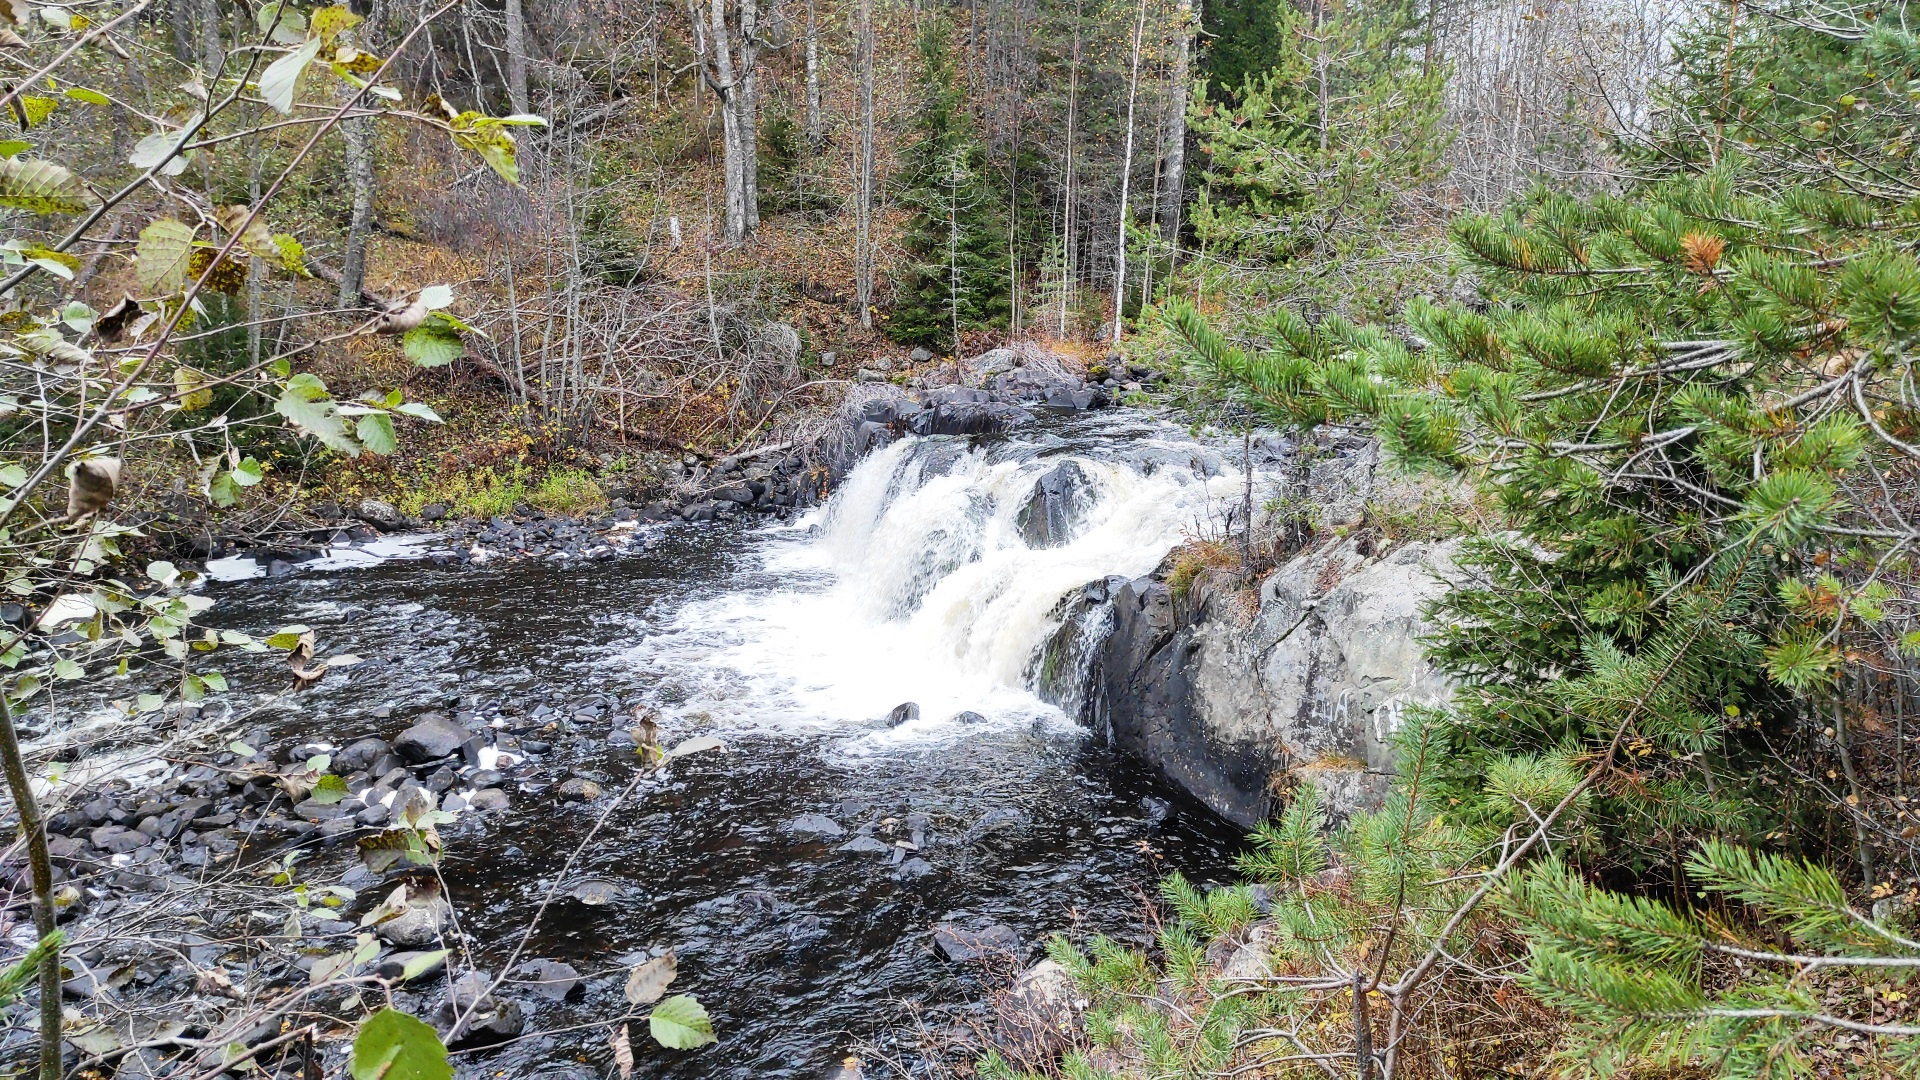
[
  {"x": 551, "y": 979},
  {"x": 360, "y": 756},
  {"x": 1048, "y": 519},
  {"x": 961, "y": 944},
  {"x": 578, "y": 789},
  {"x": 904, "y": 713},
  {"x": 866, "y": 844},
  {"x": 815, "y": 825},
  {"x": 969, "y": 717},
  {"x": 432, "y": 736},
  {"x": 489, "y": 799}
]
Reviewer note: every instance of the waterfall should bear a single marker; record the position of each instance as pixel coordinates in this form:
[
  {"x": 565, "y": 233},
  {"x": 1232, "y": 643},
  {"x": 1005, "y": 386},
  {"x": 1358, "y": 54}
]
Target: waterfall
[{"x": 937, "y": 573}]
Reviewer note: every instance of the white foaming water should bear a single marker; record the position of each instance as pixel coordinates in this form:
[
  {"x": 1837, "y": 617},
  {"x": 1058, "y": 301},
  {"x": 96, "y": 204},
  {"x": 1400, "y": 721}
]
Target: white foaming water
[{"x": 916, "y": 583}]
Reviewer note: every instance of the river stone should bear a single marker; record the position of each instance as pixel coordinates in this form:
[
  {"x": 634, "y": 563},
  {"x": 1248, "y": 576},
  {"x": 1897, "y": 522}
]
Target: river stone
[
  {"x": 1041, "y": 1015},
  {"x": 360, "y": 755},
  {"x": 492, "y": 1018},
  {"x": 488, "y": 799},
  {"x": 815, "y": 825},
  {"x": 381, "y": 515},
  {"x": 1049, "y": 519},
  {"x": 118, "y": 839},
  {"x": 419, "y": 926},
  {"x": 969, "y": 717},
  {"x": 433, "y": 512},
  {"x": 550, "y": 979},
  {"x": 866, "y": 844},
  {"x": 969, "y": 418},
  {"x": 961, "y": 945},
  {"x": 432, "y": 736},
  {"x": 920, "y": 355},
  {"x": 395, "y": 964},
  {"x": 578, "y": 789},
  {"x": 904, "y": 713}
]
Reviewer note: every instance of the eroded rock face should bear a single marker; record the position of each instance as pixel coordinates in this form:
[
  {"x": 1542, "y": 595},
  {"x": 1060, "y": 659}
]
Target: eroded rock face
[
  {"x": 1311, "y": 687},
  {"x": 1052, "y": 513}
]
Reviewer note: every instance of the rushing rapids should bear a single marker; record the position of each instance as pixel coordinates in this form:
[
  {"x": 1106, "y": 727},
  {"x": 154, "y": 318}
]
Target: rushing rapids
[{"x": 936, "y": 575}]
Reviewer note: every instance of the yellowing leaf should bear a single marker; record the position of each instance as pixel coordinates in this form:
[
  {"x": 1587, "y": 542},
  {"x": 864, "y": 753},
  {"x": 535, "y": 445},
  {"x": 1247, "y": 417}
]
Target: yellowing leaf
[
  {"x": 32, "y": 111},
  {"x": 190, "y": 384},
  {"x": 254, "y": 235},
  {"x": 648, "y": 981},
  {"x": 40, "y": 187},
  {"x": 160, "y": 257},
  {"x": 330, "y": 22}
]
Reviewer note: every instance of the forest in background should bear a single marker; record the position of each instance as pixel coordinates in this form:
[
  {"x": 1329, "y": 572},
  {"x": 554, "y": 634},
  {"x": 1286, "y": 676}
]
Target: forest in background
[{"x": 1641, "y": 276}]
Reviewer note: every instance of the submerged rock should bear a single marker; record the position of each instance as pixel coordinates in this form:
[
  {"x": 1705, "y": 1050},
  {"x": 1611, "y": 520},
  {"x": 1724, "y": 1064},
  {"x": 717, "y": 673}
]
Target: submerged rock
[
  {"x": 960, "y": 944},
  {"x": 815, "y": 825},
  {"x": 551, "y": 979}
]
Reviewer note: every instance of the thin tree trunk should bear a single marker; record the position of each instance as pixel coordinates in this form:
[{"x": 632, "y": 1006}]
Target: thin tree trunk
[
  {"x": 749, "y": 105},
  {"x": 1320, "y": 60},
  {"x": 1126, "y": 173},
  {"x": 357, "y": 133},
  {"x": 1068, "y": 265},
  {"x": 816, "y": 123},
  {"x": 211, "y": 49},
  {"x": 863, "y": 269},
  {"x": 180, "y": 14},
  {"x": 41, "y": 864},
  {"x": 516, "y": 56},
  {"x": 726, "y": 87},
  {"x": 1176, "y": 171}
]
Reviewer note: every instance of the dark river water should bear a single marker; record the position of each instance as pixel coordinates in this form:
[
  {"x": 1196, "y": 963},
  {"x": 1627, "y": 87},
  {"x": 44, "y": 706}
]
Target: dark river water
[{"x": 789, "y": 642}]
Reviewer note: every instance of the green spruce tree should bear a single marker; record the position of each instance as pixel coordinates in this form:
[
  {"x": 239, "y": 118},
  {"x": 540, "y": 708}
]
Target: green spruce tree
[
  {"x": 954, "y": 277},
  {"x": 1692, "y": 401}
]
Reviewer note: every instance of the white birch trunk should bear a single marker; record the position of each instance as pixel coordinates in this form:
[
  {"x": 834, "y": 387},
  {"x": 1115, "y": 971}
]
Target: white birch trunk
[{"x": 1126, "y": 176}]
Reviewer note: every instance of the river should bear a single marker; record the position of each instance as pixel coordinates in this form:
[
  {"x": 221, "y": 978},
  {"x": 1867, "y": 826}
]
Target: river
[{"x": 919, "y": 581}]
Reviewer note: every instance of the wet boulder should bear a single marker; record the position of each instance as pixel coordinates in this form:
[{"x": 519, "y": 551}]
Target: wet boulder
[
  {"x": 431, "y": 737},
  {"x": 361, "y": 756},
  {"x": 578, "y": 789},
  {"x": 904, "y": 713},
  {"x": 1051, "y": 514},
  {"x": 471, "y": 1016},
  {"x": 969, "y": 418},
  {"x": 551, "y": 979},
  {"x": 815, "y": 825},
  {"x": 419, "y": 923}
]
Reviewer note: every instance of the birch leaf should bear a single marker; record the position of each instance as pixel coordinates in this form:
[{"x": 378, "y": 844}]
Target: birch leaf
[
  {"x": 40, "y": 187},
  {"x": 282, "y": 77},
  {"x": 160, "y": 257}
]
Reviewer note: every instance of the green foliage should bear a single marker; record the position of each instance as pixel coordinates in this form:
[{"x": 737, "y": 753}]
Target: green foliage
[
  {"x": 1671, "y": 394},
  {"x": 1646, "y": 980},
  {"x": 493, "y": 491},
  {"x": 394, "y": 1046},
  {"x": 955, "y": 273},
  {"x": 680, "y": 1023},
  {"x": 22, "y": 974}
]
